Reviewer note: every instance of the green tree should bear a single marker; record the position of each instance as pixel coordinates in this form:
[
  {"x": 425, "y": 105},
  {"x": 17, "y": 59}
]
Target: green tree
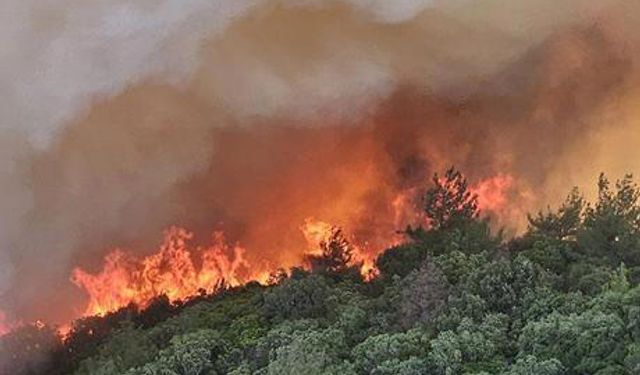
[
  {"x": 31, "y": 349},
  {"x": 424, "y": 293},
  {"x": 336, "y": 258},
  {"x": 280, "y": 335},
  {"x": 530, "y": 365},
  {"x": 471, "y": 347},
  {"x": 400, "y": 260},
  {"x": 449, "y": 201},
  {"x": 611, "y": 231},
  {"x": 587, "y": 343},
  {"x": 380, "y": 353},
  {"x": 312, "y": 353},
  {"x": 191, "y": 354},
  {"x": 563, "y": 223},
  {"x": 127, "y": 348},
  {"x": 297, "y": 299},
  {"x": 453, "y": 219},
  {"x": 504, "y": 283}
]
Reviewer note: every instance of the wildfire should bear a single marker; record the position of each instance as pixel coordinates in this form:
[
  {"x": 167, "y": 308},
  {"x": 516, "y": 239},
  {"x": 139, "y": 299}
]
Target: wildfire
[
  {"x": 172, "y": 271},
  {"x": 406, "y": 210},
  {"x": 492, "y": 192},
  {"x": 317, "y": 232},
  {"x": 179, "y": 269}
]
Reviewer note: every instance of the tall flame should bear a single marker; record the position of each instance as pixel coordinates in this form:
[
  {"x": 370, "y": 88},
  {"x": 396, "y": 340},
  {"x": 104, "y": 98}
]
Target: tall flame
[
  {"x": 176, "y": 271},
  {"x": 179, "y": 271}
]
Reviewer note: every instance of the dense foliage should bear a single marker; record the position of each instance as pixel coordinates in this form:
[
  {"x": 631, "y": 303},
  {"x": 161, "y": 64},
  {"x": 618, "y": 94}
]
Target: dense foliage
[{"x": 456, "y": 298}]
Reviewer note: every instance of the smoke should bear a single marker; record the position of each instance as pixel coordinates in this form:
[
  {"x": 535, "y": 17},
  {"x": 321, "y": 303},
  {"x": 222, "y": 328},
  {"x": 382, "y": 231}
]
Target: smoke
[{"x": 121, "y": 119}]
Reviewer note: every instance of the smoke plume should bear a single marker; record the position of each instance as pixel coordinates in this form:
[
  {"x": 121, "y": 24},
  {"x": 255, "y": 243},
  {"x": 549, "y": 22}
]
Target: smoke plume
[{"x": 120, "y": 119}]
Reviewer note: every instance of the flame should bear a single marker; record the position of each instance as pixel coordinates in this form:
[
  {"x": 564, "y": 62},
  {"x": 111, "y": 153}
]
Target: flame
[
  {"x": 506, "y": 200},
  {"x": 494, "y": 195},
  {"x": 180, "y": 270},
  {"x": 172, "y": 271},
  {"x": 317, "y": 232},
  {"x": 493, "y": 192},
  {"x": 64, "y": 330},
  {"x": 406, "y": 210}
]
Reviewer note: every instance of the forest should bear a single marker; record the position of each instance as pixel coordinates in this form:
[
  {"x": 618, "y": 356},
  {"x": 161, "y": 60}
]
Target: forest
[{"x": 457, "y": 297}]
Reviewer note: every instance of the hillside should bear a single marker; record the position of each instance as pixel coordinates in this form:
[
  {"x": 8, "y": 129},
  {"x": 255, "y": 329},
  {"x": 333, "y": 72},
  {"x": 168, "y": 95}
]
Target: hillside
[{"x": 455, "y": 298}]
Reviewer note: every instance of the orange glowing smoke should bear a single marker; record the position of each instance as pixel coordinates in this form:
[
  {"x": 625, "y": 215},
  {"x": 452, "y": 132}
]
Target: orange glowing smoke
[
  {"x": 176, "y": 271},
  {"x": 494, "y": 196},
  {"x": 492, "y": 192},
  {"x": 179, "y": 270},
  {"x": 4, "y": 325},
  {"x": 505, "y": 200},
  {"x": 406, "y": 210}
]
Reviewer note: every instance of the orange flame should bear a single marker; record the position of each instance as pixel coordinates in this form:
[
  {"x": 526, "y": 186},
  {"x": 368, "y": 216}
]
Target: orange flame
[
  {"x": 179, "y": 270},
  {"x": 406, "y": 210},
  {"x": 492, "y": 192},
  {"x": 172, "y": 272},
  {"x": 317, "y": 232},
  {"x": 494, "y": 195}
]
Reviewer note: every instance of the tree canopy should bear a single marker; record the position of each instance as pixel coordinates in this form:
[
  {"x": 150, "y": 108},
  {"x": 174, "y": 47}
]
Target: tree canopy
[{"x": 454, "y": 299}]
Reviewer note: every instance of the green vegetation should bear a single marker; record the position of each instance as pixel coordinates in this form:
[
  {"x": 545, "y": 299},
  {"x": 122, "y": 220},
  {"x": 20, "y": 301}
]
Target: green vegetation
[{"x": 563, "y": 298}]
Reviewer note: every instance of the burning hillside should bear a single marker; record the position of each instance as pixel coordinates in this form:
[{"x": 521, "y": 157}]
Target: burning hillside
[
  {"x": 181, "y": 270},
  {"x": 272, "y": 123}
]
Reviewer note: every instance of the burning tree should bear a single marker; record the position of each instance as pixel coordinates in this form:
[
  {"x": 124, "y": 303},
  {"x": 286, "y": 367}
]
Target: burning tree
[
  {"x": 450, "y": 201},
  {"x": 336, "y": 255},
  {"x": 452, "y": 214}
]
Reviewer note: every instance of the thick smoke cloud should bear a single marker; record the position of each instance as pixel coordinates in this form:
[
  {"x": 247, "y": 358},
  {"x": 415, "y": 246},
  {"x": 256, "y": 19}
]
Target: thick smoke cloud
[{"x": 119, "y": 120}]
